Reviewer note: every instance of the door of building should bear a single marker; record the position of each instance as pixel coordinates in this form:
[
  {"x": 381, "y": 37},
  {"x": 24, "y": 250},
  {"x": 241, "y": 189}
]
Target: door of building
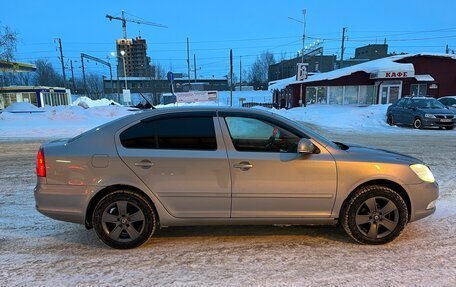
[{"x": 389, "y": 93}]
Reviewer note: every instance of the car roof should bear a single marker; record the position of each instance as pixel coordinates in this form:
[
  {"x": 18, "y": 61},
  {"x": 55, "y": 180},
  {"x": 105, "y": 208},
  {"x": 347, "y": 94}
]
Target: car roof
[
  {"x": 209, "y": 109},
  {"x": 448, "y": 97}
]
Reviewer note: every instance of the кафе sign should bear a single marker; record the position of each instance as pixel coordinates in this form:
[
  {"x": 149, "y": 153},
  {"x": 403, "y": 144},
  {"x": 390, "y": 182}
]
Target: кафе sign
[{"x": 392, "y": 74}]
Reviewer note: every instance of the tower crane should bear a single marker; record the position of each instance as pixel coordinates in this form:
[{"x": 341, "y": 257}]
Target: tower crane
[{"x": 125, "y": 20}]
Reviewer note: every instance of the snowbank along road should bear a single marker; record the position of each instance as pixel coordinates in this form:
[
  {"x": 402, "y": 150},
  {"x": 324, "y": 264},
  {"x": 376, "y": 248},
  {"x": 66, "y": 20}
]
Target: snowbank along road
[{"x": 40, "y": 251}]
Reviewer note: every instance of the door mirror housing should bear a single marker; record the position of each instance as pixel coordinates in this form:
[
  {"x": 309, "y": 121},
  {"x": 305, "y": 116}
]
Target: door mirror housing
[{"x": 305, "y": 146}]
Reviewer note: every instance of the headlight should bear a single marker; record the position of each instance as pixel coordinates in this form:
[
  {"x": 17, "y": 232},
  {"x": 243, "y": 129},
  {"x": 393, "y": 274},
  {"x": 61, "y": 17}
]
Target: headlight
[
  {"x": 431, "y": 116},
  {"x": 423, "y": 172}
]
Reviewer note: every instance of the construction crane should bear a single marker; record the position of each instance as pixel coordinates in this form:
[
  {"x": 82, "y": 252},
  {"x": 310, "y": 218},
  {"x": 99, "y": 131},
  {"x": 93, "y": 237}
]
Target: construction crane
[{"x": 125, "y": 20}]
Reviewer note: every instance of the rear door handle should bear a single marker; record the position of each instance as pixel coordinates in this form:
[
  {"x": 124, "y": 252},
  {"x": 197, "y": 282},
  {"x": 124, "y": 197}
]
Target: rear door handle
[
  {"x": 243, "y": 165},
  {"x": 145, "y": 164}
]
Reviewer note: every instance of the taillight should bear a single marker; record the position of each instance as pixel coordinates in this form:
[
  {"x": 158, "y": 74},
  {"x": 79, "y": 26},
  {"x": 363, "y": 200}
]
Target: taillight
[{"x": 40, "y": 163}]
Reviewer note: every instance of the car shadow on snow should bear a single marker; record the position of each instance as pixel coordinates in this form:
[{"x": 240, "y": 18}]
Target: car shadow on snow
[
  {"x": 314, "y": 235},
  {"x": 327, "y": 233}
]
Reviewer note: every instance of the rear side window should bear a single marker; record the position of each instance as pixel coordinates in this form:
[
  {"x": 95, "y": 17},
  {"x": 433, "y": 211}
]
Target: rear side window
[{"x": 183, "y": 133}]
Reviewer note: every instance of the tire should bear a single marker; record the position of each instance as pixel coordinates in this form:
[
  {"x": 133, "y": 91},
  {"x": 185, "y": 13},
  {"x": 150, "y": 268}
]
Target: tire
[
  {"x": 124, "y": 219},
  {"x": 390, "y": 120},
  {"x": 382, "y": 224},
  {"x": 417, "y": 123},
  {"x": 450, "y": 128}
]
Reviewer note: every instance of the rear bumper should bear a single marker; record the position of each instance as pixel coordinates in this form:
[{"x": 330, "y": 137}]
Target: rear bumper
[
  {"x": 421, "y": 196},
  {"x": 62, "y": 202}
]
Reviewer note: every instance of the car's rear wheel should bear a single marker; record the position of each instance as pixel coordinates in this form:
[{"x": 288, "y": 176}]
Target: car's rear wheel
[
  {"x": 417, "y": 123},
  {"x": 374, "y": 215},
  {"x": 390, "y": 120},
  {"x": 124, "y": 219}
]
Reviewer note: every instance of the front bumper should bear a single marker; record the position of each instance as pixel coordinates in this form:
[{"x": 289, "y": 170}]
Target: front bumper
[
  {"x": 421, "y": 196},
  {"x": 62, "y": 202},
  {"x": 428, "y": 122}
]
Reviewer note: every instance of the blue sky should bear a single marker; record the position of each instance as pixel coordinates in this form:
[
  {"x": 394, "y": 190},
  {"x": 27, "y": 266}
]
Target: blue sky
[{"x": 249, "y": 27}]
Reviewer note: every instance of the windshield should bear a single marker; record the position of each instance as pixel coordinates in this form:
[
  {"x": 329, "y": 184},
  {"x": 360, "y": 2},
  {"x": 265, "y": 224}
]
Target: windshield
[{"x": 426, "y": 104}]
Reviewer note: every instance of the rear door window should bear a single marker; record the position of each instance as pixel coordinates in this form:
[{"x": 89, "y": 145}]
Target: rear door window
[{"x": 180, "y": 133}]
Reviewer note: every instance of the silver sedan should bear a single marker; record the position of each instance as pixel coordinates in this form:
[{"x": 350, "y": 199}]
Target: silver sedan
[{"x": 224, "y": 166}]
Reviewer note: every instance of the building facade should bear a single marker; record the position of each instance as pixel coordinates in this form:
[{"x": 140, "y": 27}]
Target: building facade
[
  {"x": 287, "y": 68},
  {"x": 381, "y": 81},
  {"x": 372, "y": 52},
  {"x": 137, "y": 63},
  {"x": 39, "y": 96},
  {"x": 150, "y": 85}
]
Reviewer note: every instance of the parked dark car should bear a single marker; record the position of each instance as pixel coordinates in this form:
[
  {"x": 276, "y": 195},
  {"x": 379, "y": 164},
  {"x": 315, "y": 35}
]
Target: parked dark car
[
  {"x": 420, "y": 112},
  {"x": 449, "y": 101}
]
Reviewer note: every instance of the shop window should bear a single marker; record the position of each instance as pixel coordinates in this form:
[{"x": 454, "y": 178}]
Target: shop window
[
  {"x": 351, "y": 95},
  {"x": 311, "y": 95},
  {"x": 418, "y": 90},
  {"x": 317, "y": 95},
  {"x": 322, "y": 95},
  {"x": 366, "y": 95},
  {"x": 336, "y": 95}
]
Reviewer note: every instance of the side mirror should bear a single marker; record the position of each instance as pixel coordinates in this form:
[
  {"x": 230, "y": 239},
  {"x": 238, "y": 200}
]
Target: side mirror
[{"x": 305, "y": 146}]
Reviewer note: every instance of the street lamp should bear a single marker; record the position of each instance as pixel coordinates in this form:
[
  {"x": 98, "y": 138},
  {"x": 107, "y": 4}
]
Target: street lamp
[{"x": 125, "y": 70}]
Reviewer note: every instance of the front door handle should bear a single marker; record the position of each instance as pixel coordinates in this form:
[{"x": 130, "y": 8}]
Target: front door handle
[
  {"x": 243, "y": 165},
  {"x": 145, "y": 164}
]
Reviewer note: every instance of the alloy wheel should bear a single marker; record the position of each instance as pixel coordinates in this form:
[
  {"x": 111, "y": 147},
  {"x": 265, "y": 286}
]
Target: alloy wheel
[
  {"x": 377, "y": 217},
  {"x": 417, "y": 123},
  {"x": 123, "y": 221}
]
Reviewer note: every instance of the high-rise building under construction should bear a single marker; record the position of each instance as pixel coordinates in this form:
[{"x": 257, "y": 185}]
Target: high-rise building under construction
[{"x": 137, "y": 63}]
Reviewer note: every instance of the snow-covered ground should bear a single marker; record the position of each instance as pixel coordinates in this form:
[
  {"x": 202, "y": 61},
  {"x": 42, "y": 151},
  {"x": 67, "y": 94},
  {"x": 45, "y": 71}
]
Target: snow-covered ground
[
  {"x": 69, "y": 121},
  {"x": 38, "y": 251}
]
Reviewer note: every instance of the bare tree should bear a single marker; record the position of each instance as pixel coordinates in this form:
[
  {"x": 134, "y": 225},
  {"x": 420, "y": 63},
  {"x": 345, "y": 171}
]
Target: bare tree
[
  {"x": 46, "y": 75},
  {"x": 8, "y": 43},
  {"x": 258, "y": 74},
  {"x": 94, "y": 84},
  {"x": 160, "y": 73}
]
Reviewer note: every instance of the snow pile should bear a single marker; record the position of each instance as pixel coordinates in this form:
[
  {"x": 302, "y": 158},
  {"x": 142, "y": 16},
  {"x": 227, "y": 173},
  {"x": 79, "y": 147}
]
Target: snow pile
[
  {"x": 370, "y": 119},
  {"x": 87, "y": 102},
  {"x": 21, "y": 107},
  {"x": 57, "y": 122}
]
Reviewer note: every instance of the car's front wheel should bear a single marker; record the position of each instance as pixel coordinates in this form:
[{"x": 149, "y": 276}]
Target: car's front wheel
[
  {"x": 390, "y": 120},
  {"x": 374, "y": 215},
  {"x": 124, "y": 219},
  {"x": 417, "y": 123}
]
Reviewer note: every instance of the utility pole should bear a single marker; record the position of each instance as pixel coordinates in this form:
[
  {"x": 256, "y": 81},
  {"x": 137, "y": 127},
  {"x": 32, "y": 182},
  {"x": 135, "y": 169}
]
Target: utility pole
[
  {"x": 110, "y": 76},
  {"x": 304, "y": 12},
  {"x": 447, "y": 49},
  {"x": 72, "y": 75},
  {"x": 194, "y": 64},
  {"x": 61, "y": 60},
  {"x": 83, "y": 75},
  {"x": 240, "y": 73},
  {"x": 188, "y": 60},
  {"x": 231, "y": 77},
  {"x": 342, "y": 50}
]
